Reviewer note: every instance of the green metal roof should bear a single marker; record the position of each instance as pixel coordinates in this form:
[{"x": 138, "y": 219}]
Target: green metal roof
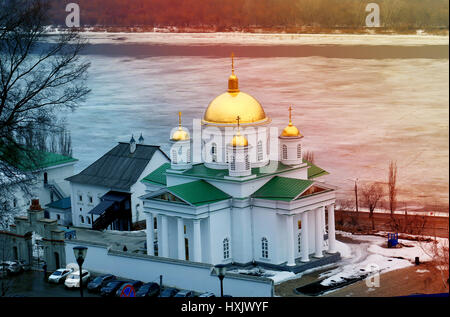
[
  {"x": 32, "y": 160},
  {"x": 158, "y": 175},
  {"x": 201, "y": 171},
  {"x": 315, "y": 171},
  {"x": 60, "y": 204},
  {"x": 198, "y": 193},
  {"x": 282, "y": 188}
]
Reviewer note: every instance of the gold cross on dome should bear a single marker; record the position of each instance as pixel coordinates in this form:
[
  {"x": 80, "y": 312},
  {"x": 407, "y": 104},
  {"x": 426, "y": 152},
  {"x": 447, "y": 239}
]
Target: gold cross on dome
[
  {"x": 179, "y": 119},
  {"x": 290, "y": 114},
  {"x": 232, "y": 62},
  {"x": 238, "y": 121}
]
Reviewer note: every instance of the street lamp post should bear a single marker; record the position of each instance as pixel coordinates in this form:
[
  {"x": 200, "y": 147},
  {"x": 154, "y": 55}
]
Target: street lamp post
[
  {"x": 80, "y": 255},
  {"x": 220, "y": 270}
]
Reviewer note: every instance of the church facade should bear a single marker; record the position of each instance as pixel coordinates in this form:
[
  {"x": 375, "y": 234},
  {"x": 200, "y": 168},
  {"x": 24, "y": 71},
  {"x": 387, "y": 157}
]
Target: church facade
[{"x": 250, "y": 198}]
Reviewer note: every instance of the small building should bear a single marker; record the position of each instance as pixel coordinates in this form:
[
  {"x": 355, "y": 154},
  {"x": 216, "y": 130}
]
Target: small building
[
  {"x": 46, "y": 173},
  {"x": 61, "y": 211},
  {"x": 105, "y": 194}
]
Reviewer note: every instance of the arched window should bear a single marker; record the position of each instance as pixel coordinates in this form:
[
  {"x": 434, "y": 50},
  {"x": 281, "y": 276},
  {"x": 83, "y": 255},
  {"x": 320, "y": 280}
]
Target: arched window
[
  {"x": 226, "y": 248},
  {"x": 174, "y": 156},
  {"x": 284, "y": 148},
  {"x": 260, "y": 150},
  {"x": 214, "y": 152},
  {"x": 247, "y": 162},
  {"x": 81, "y": 219},
  {"x": 264, "y": 248},
  {"x": 299, "y": 240},
  {"x": 188, "y": 155},
  {"x": 88, "y": 220},
  {"x": 299, "y": 151},
  {"x": 233, "y": 162}
]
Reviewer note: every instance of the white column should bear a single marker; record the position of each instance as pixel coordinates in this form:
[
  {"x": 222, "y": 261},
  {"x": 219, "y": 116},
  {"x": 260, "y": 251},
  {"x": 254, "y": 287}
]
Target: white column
[
  {"x": 180, "y": 238},
  {"x": 331, "y": 230},
  {"x": 304, "y": 248},
  {"x": 164, "y": 237},
  {"x": 323, "y": 221},
  {"x": 150, "y": 235},
  {"x": 318, "y": 233},
  {"x": 197, "y": 242},
  {"x": 290, "y": 240}
]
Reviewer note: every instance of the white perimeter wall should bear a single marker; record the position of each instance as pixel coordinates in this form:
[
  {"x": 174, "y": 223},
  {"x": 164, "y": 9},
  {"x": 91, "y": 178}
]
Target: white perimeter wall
[{"x": 180, "y": 274}]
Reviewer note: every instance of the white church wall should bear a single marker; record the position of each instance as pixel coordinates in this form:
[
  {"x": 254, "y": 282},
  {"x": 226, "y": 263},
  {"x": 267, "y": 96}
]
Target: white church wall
[
  {"x": 204, "y": 229},
  {"x": 173, "y": 237},
  {"x": 264, "y": 220},
  {"x": 139, "y": 189},
  {"x": 219, "y": 230},
  {"x": 82, "y": 208},
  {"x": 241, "y": 239},
  {"x": 180, "y": 274}
]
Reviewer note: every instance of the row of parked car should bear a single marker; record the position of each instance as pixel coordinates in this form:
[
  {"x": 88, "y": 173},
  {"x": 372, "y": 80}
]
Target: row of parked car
[
  {"x": 10, "y": 268},
  {"x": 109, "y": 285}
]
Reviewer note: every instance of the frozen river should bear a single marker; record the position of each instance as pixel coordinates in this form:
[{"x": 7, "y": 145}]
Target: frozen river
[{"x": 360, "y": 101}]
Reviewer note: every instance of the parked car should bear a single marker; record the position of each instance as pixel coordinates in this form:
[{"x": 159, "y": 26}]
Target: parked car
[
  {"x": 208, "y": 294},
  {"x": 73, "y": 280},
  {"x": 148, "y": 290},
  {"x": 111, "y": 288},
  {"x": 11, "y": 267},
  {"x": 136, "y": 285},
  {"x": 100, "y": 281},
  {"x": 59, "y": 275},
  {"x": 169, "y": 292},
  {"x": 184, "y": 293}
]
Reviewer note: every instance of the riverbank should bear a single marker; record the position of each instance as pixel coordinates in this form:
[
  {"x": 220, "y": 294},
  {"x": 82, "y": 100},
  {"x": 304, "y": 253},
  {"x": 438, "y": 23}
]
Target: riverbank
[{"x": 268, "y": 30}]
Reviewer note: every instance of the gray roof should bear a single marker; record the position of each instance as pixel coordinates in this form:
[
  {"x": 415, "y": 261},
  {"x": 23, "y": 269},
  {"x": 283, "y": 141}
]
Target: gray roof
[{"x": 118, "y": 169}]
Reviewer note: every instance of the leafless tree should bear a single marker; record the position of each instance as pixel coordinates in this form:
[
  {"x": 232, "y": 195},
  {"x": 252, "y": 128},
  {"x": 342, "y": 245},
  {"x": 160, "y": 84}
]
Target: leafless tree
[
  {"x": 392, "y": 187},
  {"x": 40, "y": 76},
  {"x": 309, "y": 156},
  {"x": 371, "y": 195}
]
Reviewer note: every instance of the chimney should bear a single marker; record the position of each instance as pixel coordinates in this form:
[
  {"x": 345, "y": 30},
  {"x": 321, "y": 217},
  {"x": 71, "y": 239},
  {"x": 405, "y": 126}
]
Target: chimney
[
  {"x": 132, "y": 144},
  {"x": 35, "y": 206}
]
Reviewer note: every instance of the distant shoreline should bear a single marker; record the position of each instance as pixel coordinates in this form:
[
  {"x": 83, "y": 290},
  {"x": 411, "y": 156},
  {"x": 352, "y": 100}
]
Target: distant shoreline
[{"x": 266, "y": 30}]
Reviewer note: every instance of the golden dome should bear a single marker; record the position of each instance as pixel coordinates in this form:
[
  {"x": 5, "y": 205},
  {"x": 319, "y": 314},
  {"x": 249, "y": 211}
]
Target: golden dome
[
  {"x": 239, "y": 140},
  {"x": 180, "y": 134},
  {"x": 226, "y": 107},
  {"x": 291, "y": 130}
]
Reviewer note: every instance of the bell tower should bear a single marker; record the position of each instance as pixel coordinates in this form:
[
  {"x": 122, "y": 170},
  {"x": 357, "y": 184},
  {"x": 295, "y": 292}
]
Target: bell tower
[
  {"x": 180, "y": 152},
  {"x": 238, "y": 153},
  {"x": 290, "y": 141}
]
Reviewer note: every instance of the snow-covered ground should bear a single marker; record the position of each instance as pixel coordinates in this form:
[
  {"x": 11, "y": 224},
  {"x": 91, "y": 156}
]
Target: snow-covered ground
[
  {"x": 371, "y": 255},
  {"x": 368, "y": 255}
]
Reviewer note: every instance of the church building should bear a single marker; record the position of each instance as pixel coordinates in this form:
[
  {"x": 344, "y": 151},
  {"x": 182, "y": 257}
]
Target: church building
[{"x": 251, "y": 198}]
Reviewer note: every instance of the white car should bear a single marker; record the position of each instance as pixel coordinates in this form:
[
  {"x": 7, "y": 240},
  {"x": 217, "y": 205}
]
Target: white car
[
  {"x": 59, "y": 275},
  {"x": 73, "y": 280}
]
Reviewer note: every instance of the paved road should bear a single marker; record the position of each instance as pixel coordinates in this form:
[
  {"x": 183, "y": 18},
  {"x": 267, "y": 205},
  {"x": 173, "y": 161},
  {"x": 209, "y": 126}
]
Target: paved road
[{"x": 32, "y": 284}]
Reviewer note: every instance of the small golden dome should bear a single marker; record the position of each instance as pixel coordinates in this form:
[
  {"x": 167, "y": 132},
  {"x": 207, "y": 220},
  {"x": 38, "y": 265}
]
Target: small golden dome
[
  {"x": 291, "y": 130},
  {"x": 239, "y": 140},
  {"x": 226, "y": 107},
  {"x": 180, "y": 135}
]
